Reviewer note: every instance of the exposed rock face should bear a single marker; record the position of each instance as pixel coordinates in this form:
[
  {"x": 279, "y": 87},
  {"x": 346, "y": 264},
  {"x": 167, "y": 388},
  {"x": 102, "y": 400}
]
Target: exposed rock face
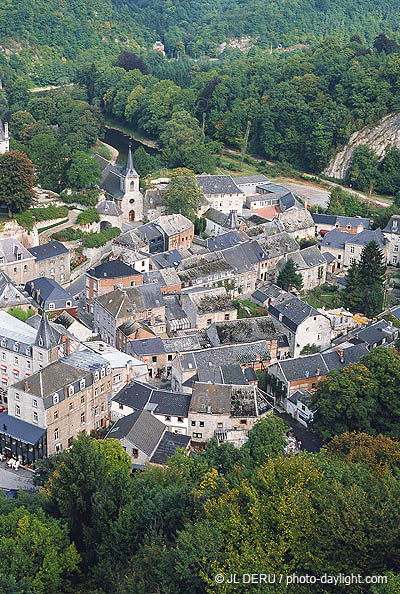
[{"x": 380, "y": 138}]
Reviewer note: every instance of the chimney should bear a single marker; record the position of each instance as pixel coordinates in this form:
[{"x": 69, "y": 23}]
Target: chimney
[
  {"x": 318, "y": 371},
  {"x": 67, "y": 346},
  {"x": 37, "y": 293},
  {"x": 26, "y": 386},
  {"x": 340, "y": 353},
  {"x": 65, "y": 392}
]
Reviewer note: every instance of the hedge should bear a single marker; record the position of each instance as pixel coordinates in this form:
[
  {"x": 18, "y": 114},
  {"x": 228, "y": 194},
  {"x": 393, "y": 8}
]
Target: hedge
[
  {"x": 30, "y": 217},
  {"x": 88, "y": 216}
]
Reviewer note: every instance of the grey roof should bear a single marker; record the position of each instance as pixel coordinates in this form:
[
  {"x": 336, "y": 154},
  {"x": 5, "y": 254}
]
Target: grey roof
[
  {"x": 173, "y": 224},
  {"x": 329, "y": 258},
  {"x": 49, "y": 289},
  {"x": 233, "y": 374},
  {"x": 181, "y": 344},
  {"x": 299, "y": 396},
  {"x": 287, "y": 201},
  {"x": 208, "y": 302},
  {"x": 20, "y": 430},
  {"x": 244, "y": 256},
  {"x": 10, "y": 248},
  {"x": 242, "y": 331},
  {"x": 169, "y": 443},
  {"x": 65, "y": 319},
  {"x": 46, "y": 337},
  {"x": 47, "y": 250},
  {"x": 111, "y": 185},
  {"x": 130, "y": 326},
  {"x": 325, "y": 219},
  {"x": 108, "y": 207},
  {"x": 338, "y": 239},
  {"x": 122, "y": 302},
  {"x": 112, "y": 269},
  {"x": 138, "y": 395},
  {"x": 11, "y": 295},
  {"x": 236, "y": 401},
  {"x": 86, "y": 359},
  {"x": 294, "y": 311},
  {"x": 129, "y": 170},
  {"x": 224, "y": 240},
  {"x": 374, "y": 333},
  {"x": 169, "y": 259},
  {"x": 278, "y": 245},
  {"x": 217, "y": 184},
  {"x": 251, "y": 179},
  {"x": 227, "y": 221},
  {"x": 320, "y": 364},
  {"x": 393, "y": 225},
  {"x": 396, "y": 312},
  {"x": 163, "y": 277},
  {"x": 146, "y": 346},
  {"x": 243, "y": 354},
  {"x": 173, "y": 309},
  {"x": 272, "y": 188},
  {"x": 204, "y": 265},
  {"x": 141, "y": 428},
  {"x": 305, "y": 259}
]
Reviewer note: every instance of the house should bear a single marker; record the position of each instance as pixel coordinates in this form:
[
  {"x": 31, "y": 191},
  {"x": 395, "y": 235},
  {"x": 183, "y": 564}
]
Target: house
[
  {"x": 21, "y": 440},
  {"x": 73, "y": 326},
  {"x": 151, "y": 236},
  {"x": 297, "y": 222},
  {"x": 110, "y": 214},
  {"x": 216, "y": 410},
  {"x": 52, "y": 260},
  {"x": 297, "y": 406},
  {"x": 16, "y": 261},
  {"x": 245, "y": 259},
  {"x": 171, "y": 408},
  {"x": 64, "y": 399},
  {"x": 221, "y": 192},
  {"x": 304, "y": 373},
  {"x": 248, "y": 183},
  {"x": 49, "y": 295},
  {"x": 130, "y": 241},
  {"x": 204, "y": 306},
  {"x": 166, "y": 279},
  {"x": 310, "y": 264},
  {"x": 274, "y": 248},
  {"x": 106, "y": 276},
  {"x": 302, "y": 324},
  {"x": 347, "y": 247},
  {"x": 13, "y": 296},
  {"x": 374, "y": 334},
  {"x": 325, "y": 223},
  {"x": 247, "y": 330},
  {"x": 175, "y": 316},
  {"x": 146, "y": 439},
  {"x": 25, "y": 349},
  {"x": 228, "y": 374},
  {"x": 177, "y": 229},
  {"x": 124, "y": 368},
  {"x": 152, "y": 352},
  {"x": 144, "y": 303},
  {"x": 131, "y": 330},
  {"x": 265, "y": 294},
  {"x": 224, "y": 240},
  {"x": 205, "y": 269},
  {"x": 219, "y": 222},
  {"x": 186, "y": 365},
  {"x": 392, "y": 234}
]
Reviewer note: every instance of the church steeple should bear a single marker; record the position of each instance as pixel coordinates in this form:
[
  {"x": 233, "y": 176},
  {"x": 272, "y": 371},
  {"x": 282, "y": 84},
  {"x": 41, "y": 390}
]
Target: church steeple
[
  {"x": 129, "y": 170},
  {"x": 45, "y": 336}
]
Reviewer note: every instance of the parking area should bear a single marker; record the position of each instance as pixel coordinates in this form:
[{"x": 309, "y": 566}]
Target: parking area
[{"x": 15, "y": 479}]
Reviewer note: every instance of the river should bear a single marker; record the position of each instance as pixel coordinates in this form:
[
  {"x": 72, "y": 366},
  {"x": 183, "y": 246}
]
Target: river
[{"x": 120, "y": 141}]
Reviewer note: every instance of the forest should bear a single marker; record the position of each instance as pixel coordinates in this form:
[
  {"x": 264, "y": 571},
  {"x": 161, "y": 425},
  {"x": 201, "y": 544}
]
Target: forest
[{"x": 95, "y": 528}]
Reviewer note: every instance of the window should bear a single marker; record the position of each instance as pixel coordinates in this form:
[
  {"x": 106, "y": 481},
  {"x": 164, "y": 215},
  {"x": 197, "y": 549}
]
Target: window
[
  {"x": 56, "y": 433},
  {"x": 52, "y": 306},
  {"x": 70, "y": 390},
  {"x": 82, "y": 400},
  {"x": 55, "y": 399},
  {"x": 396, "y": 248},
  {"x": 55, "y": 415},
  {"x": 180, "y": 419},
  {"x": 197, "y": 435},
  {"x": 17, "y": 396},
  {"x": 220, "y": 425},
  {"x": 102, "y": 389},
  {"x": 352, "y": 250},
  {"x": 28, "y": 364},
  {"x": 96, "y": 391},
  {"x": 120, "y": 406},
  {"x": 154, "y": 359},
  {"x": 82, "y": 418},
  {"x": 40, "y": 356},
  {"x": 201, "y": 423},
  {"x": 96, "y": 411},
  {"x": 169, "y": 357},
  {"x": 68, "y": 303},
  {"x": 135, "y": 453},
  {"x": 209, "y": 321},
  {"x": 108, "y": 385},
  {"x": 34, "y": 403},
  {"x": 71, "y": 406},
  {"x": 58, "y": 448},
  {"x": 35, "y": 417},
  {"x": 102, "y": 407},
  {"x": 70, "y": 439},
  {"x": 17, "y": 410},
  {"x": 193, "y": 423},
  {"x": 96, "y": 376},
  {"x": 103, "y": 372},
  {"x": 227, "y": 317},
  {"x": 15, "y": 360},
  {"x": 243, "y": 421},
  {"x": 167, "y": 418},
  {"x": 82, "y": 384},
  {"x": 394, "y": 259}
]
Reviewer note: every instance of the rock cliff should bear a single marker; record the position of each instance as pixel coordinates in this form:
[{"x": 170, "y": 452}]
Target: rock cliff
[{"x": 380, "y": 138}]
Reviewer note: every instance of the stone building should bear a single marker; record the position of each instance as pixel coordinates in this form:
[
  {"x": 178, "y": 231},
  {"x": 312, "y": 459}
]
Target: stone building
[
  {"x": 204, "y": 306},
  {"x": 105, "y": 277},
  {"x": 221, "y": 192},
  {"x": 52, "y": 259}
]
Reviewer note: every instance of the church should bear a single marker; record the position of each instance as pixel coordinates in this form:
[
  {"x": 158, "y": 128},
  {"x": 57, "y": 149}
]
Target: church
[{"x": 121, "y": 189}]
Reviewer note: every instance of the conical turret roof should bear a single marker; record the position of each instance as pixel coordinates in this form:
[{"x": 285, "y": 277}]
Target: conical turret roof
[{"x": 129, "y": 170}]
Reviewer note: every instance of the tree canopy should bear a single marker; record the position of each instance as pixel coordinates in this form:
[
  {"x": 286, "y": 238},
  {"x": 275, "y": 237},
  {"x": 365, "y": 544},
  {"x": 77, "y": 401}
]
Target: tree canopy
[
  {"x": 288, "y": 278},
  {"x": 183, "y": 195},
  {"x": 16, "y": 181}
]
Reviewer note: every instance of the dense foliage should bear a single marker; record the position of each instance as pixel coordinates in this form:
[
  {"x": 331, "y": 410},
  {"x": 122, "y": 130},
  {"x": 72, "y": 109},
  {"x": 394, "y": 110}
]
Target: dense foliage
[
  {"x": 16, "y": 181},
  {"x": 288, "y": 278}
]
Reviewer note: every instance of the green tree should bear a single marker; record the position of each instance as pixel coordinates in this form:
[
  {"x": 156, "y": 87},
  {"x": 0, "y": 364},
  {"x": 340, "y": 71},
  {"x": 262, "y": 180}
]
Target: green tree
[
  {"x": 50, "y": 161},
  {"x": 83, "y": 171},
  {"x": 267, "y": 438},
  {"x": 309, "y": 349},
  {"x": 21, "y": 124},
  {"x": 372, "y": 277},
  {"x": 16, "y": 181},
  {"x": 143, "y": 161},
  {"x": 183, "y": 194},
  {"x": 363, "y": 171},
  {"x": 288, "y": 278},
  {"x": 354, "y": 291}
]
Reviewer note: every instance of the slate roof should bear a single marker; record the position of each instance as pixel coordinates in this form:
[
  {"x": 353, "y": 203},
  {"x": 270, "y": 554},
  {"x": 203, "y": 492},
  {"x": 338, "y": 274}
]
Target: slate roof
[
  {"x": 10, "y": 247},
  {"x": 244, "y": 256},
  {"x": 48, "y": 250},
  {"x": 329, "y": 258},
  {"x": 141, "y": 428},
  {"x": 227, "y": 221},
  {"x": 129, "y": 170},
  {"x": 287, "y": 201},
  {"x": 163, "y": 278},
  {"x": 146, "y": 346},
  {"x": 396, "y": 312},
  {"x": 138, "y": 395},
  {"x": 306, "y": 258},
  {"x": 112, "y": 269},
  {"x": 294, "y": 312},
  {"x": 272, "y": 188},
  {"x": 373, "y": 333},
  {"x": 173, "y": 310},
  {"x": 46, "y": 337},
  {"x": 325, "y": 219},
  {"x": 393, "y": 225},
  {"x": 227, "y": 354},
  {"x": 86, "y": 359},
  {"x": 169, "y": 443},
  {"x": 202, "y": 266},
  {"x": 122, "y": 302},
  {"x": 251, "y": 179},
  {"x": 224, "y": 240},
  {"x": 319, "y": 364},
  {"x": 235, "y": 401},
  {"x": 108, "y": 207},
  {"x": 337, "y": 239},
  {"x": 130, "y": 326},
  {"x": 180, "y": 344},
  {"x": 242, "y": 331},
  {"x": 217, "y": 184},
  {"x": 111, "y": 185},
  {"x": 278, "y": 245},
  {"x": 49, "y": 289},
  {"x": 173, "y": 224},
  {"x": 19, "y": 429},
  {"x": 168, "y": 259},
  {"x": 10, "y": 295},
  {"x": 299, "y": 396}
]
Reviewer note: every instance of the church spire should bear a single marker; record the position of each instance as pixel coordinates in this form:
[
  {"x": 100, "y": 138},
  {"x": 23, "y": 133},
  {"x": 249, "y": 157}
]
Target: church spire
[
  {"x": 45, "y": 337},
  {"x": 129, "y": 169}
]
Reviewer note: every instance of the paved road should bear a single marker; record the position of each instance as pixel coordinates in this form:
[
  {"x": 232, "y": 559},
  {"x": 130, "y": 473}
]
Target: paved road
[
  {"x": 310, "y": 442},
  {"x": 46, "y": 235},
  {"x": 314, "y": 195}
]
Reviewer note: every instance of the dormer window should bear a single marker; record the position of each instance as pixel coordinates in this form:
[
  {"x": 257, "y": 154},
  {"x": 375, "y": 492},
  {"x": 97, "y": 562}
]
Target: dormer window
[
  {"x": 55, "y": 398},
  {"x": 70, "y": 390},
  {"x": 82, "y": 384},
  {"x": 96, "y": 376},
  {"x": 3, "y": 342},
  {"x": 103, "y": 372},
  {"x": 16, "y": 346},
  {"x": 40, "y": 341}
]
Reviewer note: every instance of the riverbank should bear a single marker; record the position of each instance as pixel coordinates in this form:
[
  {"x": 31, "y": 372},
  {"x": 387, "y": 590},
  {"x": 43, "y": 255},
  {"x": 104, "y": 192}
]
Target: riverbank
[
  {"x": 138, "y": 136},
  {"x": 113, "y": 151}
]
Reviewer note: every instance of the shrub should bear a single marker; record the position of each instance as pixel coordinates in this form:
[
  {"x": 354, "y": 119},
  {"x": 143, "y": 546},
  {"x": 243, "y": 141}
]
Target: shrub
[{"x": 88, "y": 216}]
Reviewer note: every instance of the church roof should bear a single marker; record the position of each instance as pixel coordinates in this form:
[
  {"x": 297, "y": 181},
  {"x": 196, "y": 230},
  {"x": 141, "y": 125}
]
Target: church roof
[
  {"x": 130, "y": 170},
  {"x": 45, "y": 335}
]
